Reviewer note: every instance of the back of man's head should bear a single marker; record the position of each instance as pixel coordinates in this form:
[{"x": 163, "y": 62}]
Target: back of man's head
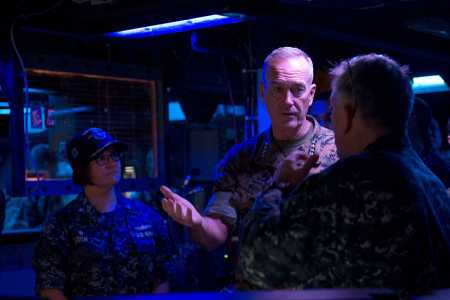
[{"x": 379, "y": 87}]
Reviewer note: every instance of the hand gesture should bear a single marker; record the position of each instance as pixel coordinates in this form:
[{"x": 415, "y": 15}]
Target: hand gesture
[
  {"x": 180, "y": 209},
  {"x": 294, "y": 168}
]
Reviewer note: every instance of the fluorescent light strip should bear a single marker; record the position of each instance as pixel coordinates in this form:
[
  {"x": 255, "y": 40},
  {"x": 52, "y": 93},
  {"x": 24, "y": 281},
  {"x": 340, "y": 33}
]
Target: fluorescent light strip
[
  {"x": 429, "y": 84},
  {"x": 179, "y": 26},
  {"x": 39, "y": 91},
  {"x": 7, "y": 111}
]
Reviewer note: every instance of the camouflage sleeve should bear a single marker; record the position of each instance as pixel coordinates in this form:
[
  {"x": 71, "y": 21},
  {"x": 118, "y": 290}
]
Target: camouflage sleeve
[
  {"x": 219, "y": 205},
  {"x": 228, "y": 168},
  {"x": 49, "y": 259},
  {"x": 328, "y": 153},
  {"x": 225, "y": 184}
]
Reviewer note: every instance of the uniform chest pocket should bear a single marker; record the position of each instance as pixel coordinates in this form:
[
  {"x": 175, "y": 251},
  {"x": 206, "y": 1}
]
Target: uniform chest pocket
[
  {"x": 144, "y": 241},
  {"x": 90, "y": 243}
]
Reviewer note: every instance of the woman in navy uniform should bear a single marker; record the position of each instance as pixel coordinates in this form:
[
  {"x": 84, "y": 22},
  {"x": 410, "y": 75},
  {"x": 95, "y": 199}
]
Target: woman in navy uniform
[{"x": 101, "y": 243}]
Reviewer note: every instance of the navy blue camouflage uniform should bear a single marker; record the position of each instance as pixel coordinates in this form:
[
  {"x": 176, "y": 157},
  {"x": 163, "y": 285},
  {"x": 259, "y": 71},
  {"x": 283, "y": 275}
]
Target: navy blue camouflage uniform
[
  {"x": 83, "y": 252},
  {"x": 377, "y": 219}
]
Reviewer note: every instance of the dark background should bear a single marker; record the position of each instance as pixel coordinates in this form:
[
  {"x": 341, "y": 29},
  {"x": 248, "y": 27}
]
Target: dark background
[{"x": 416, "y": 32}]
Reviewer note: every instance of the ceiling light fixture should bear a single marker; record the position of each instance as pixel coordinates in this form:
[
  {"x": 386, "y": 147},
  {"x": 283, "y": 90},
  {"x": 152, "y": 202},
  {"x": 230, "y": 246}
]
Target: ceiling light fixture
[
  {"x": 180, "y": 26},
  {"x": 429, "y": 84}
]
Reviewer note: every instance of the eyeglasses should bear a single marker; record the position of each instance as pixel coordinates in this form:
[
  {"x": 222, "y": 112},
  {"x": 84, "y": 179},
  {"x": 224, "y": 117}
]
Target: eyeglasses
[{"x": 103, "y": 159}]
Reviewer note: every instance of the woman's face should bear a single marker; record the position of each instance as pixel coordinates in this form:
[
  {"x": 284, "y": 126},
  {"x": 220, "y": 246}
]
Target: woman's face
[{"x": 105, "y": 170}]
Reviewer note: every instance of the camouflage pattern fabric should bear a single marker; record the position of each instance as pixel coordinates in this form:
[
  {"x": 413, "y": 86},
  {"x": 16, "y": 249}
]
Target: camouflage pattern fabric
[
  {"x": 83, "y": 252},
  {"x": 367, "y": 221},
  {"x": 248, "y": 168}
]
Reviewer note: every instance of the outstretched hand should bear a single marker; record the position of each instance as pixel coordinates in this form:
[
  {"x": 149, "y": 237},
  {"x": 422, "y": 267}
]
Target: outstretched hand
[{"x": 180, "y": 209}]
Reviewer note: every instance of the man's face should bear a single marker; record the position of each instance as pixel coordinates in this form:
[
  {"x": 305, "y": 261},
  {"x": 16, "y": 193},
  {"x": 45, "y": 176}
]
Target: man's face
[{"x": 288, "y": 92}]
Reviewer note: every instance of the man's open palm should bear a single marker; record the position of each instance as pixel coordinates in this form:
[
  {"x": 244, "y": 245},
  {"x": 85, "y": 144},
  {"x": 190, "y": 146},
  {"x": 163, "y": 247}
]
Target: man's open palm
[{"x": 180, "y": 209}]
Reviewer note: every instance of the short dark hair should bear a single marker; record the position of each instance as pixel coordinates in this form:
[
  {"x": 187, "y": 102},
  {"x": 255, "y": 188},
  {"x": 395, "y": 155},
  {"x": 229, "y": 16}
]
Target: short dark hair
[
  {"x": 380, "y": 87},
  {"x": 81, "y": 175}
]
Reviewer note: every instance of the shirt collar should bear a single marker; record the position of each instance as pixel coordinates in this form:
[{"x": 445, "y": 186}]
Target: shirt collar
[
  {"x": 389, "y": 141},
  {"x": 91, "y": 212},
  {"x": 313, "y": 131},
  {"x": 268, "y": 149}
]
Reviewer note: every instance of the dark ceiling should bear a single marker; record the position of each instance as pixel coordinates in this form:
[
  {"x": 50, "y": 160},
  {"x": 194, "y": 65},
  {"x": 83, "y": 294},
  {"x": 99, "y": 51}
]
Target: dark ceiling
[
  {"x": 417, "y": 28},
  {"x": 416, "y": 32}
]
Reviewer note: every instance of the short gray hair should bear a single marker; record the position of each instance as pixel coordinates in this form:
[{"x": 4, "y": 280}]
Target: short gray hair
[
  {"x": 285, "y": 53},
  {"x": 380, "y": 87}
]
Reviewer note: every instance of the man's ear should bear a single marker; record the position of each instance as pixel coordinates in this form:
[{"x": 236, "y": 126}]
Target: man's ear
[
  {"x": 312, "y": 91},
  {"x": 348, "y": 117}
]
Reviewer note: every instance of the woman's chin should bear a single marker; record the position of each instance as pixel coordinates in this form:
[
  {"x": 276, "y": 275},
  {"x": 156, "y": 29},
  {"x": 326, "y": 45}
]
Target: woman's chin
[{"x": 110, "y": 182}]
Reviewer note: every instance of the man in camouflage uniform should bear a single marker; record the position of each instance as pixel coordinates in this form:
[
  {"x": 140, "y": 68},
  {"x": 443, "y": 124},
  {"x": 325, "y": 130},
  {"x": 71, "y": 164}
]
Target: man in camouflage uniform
[
  {"x": 377, "y": 218},
  {"x": 101, "y": 243},
  {"x": 250, "y": 168}
]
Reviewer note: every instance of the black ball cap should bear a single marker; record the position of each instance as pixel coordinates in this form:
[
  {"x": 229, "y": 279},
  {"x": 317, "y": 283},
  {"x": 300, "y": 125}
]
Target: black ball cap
[{"x": 89, "y": 144}]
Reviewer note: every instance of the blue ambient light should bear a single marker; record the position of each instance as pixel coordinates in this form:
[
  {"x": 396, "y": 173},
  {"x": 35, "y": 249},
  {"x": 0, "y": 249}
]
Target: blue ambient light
[
  {"x": 176, "y": 112},
  {"x": 429, "y": 84}
]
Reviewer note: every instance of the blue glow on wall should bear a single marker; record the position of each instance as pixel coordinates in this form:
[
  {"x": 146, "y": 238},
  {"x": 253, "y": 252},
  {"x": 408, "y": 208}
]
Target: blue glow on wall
[
  {"x": 318, "y": 107},
  {"x": 264, "y": 121},
  {"x": 176, "y": 112},
  {"x": 226, "y": 109},
  {"x": 179, "y": 26}
]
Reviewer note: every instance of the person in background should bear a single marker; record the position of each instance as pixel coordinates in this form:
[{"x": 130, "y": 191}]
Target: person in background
[
  {"x": 426, "y": 140},
  {"x": 101, "y": 243}
]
